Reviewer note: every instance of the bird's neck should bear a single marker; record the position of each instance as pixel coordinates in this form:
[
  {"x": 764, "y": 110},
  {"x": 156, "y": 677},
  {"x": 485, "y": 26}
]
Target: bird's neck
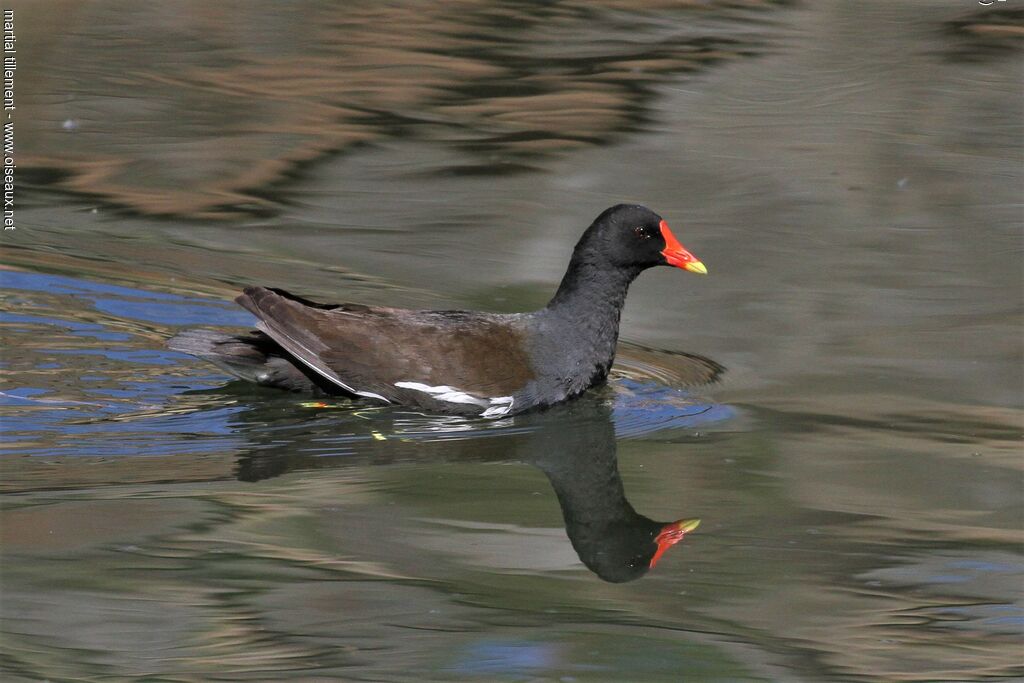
[
  {"x": 591, "y": 497},
  {"x": 579, "y": 460},
  {"x": 602, "y": 526},
  {"x": 587, "y": 307},
  {"x": 591, "y": 284}
]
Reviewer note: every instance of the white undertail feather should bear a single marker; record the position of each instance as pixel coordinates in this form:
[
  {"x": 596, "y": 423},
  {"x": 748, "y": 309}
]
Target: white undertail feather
[{"x": 502, "y": 405}]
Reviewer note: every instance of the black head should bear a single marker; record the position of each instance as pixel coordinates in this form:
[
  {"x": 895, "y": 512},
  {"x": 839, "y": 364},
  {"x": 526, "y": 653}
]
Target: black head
[
  {"x": 618, "y": 552},
  {"x": 627, "y": 548},
  {"x": 633, "y": 237}
]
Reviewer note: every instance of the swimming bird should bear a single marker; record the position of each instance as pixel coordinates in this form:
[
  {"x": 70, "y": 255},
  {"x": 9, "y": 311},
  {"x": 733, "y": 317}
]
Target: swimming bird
[{"x": 454, "y": 362}]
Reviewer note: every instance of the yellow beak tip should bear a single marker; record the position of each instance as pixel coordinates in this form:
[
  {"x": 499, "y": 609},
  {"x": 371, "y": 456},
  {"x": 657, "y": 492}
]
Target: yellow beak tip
[
  {"x": 688, "y": 525},
  {"x": 697, "y": 267}
]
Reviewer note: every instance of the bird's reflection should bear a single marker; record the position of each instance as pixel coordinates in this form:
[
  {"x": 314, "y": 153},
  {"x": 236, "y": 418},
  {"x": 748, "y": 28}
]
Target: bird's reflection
[
  {"x": 574, "y": 445},
  {"x": 611, "y": 538}
]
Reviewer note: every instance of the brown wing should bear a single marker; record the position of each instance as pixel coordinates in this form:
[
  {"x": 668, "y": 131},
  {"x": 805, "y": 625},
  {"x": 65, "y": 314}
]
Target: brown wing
[{"x": 454, "y": 360}]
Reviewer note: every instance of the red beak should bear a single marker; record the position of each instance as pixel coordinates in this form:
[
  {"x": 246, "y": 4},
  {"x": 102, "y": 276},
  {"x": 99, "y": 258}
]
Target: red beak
[
  {"x": 671, "y": 534},
  {"x": 677, "y": 255}
]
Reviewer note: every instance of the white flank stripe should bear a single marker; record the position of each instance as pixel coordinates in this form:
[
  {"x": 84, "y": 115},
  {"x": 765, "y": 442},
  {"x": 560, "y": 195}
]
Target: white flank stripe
[
  {"x": 496, "y": 407},
  {"x": 443, "y": 393}
]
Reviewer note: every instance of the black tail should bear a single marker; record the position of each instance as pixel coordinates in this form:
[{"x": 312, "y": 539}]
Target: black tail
[{"x": 253, "y": 356}]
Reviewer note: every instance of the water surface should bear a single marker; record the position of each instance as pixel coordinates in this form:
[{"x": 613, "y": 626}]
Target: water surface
[{"x": 850, "y": 176}]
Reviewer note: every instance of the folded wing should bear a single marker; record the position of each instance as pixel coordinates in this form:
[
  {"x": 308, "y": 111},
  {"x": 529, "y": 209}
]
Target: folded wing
[{"x": 459, "y": 361}]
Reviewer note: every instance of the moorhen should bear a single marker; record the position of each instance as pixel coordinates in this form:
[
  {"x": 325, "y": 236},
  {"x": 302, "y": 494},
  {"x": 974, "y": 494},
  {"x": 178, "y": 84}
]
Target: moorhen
[{"x": 455, "y": 362}]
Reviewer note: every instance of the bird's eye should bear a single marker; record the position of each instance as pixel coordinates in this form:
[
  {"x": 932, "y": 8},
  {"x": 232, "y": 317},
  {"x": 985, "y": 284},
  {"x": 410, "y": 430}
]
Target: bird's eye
[{"x": 642, "y": 233}]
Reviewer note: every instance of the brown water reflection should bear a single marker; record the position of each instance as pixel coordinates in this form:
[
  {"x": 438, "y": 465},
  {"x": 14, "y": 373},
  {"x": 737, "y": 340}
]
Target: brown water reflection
[
  {"x": 849, "y": 173},
  {"x": 222, "y": 111}
]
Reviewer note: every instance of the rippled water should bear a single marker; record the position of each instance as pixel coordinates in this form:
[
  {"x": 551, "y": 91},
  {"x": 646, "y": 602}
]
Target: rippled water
[{"x": 850, "y": 175}]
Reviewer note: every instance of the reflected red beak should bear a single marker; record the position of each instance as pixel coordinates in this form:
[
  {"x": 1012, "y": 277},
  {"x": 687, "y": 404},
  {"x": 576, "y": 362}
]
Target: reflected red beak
[
  {"x": 671, "y": 534},
  {"x": 677, "y": 255}
]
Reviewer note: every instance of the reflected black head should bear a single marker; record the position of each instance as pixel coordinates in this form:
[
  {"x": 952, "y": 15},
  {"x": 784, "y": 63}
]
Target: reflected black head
[{"x": 621, "y": 552}]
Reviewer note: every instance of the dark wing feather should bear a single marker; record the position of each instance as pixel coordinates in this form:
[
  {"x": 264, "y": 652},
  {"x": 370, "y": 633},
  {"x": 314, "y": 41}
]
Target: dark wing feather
[
  {"x": 366, "y": 350},
  {"x": 253, "y": 356}
]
